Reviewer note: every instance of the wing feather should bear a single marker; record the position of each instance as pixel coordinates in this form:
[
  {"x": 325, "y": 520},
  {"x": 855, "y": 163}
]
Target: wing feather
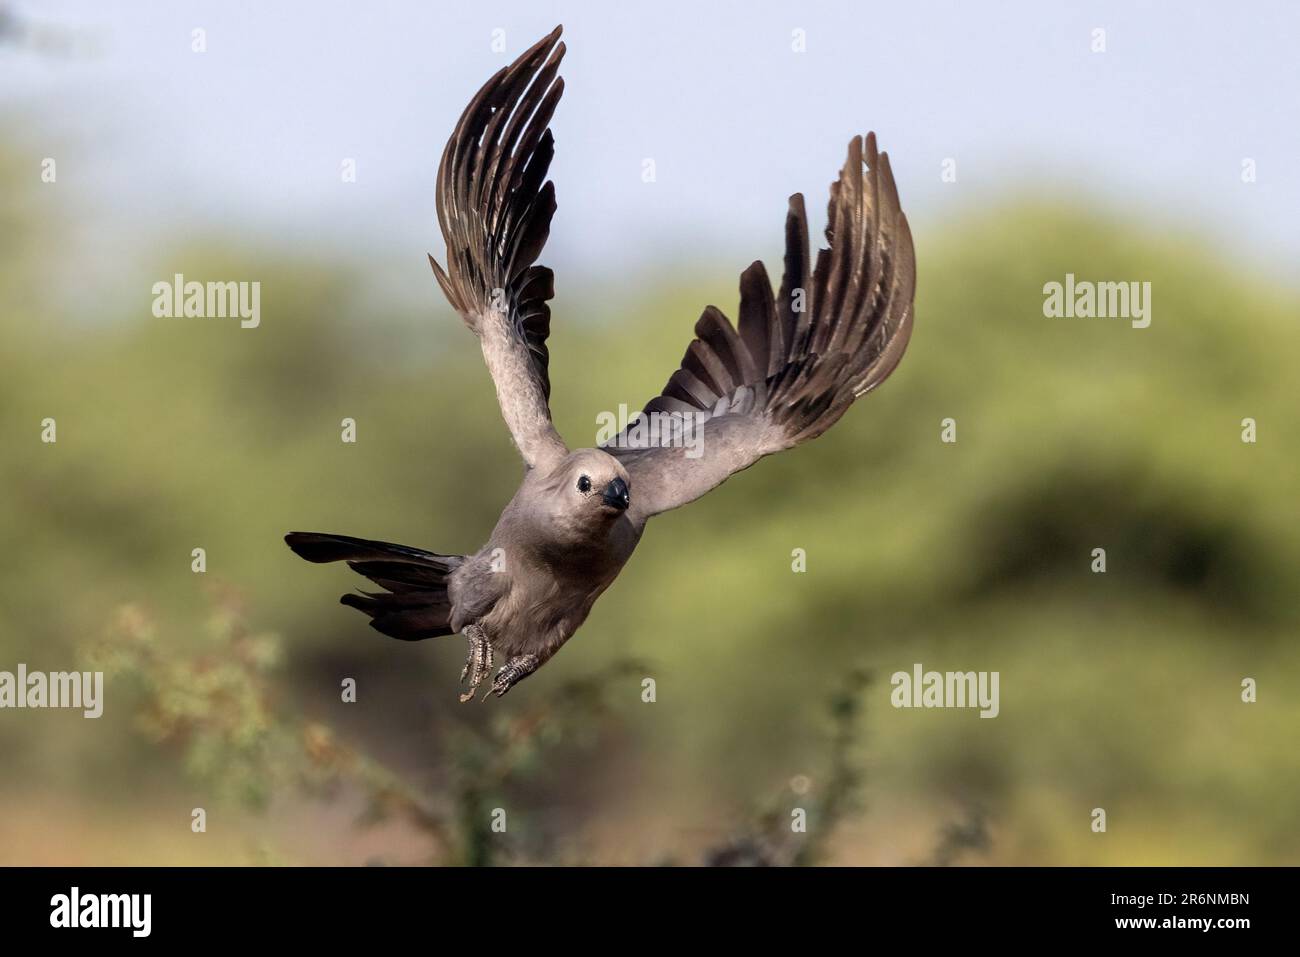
[
  {"x": 837, "y": 328},
  {"x": 495, "y": 207}
]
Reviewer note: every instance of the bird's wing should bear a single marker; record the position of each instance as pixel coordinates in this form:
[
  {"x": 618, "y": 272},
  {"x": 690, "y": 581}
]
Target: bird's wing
[
  {"x": 834, "y": 332},
  {"x": 495, "y": 210}
]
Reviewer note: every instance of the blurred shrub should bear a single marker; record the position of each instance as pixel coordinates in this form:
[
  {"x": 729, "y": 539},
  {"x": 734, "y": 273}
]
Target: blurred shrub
[{"x": 217, "y": 709}]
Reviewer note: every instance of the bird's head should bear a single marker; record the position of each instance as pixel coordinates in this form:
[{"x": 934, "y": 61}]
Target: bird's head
[{"x": 587, "y": 492}]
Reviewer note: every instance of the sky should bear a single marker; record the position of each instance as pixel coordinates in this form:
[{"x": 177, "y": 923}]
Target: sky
[{"x": 153, "y": 138}]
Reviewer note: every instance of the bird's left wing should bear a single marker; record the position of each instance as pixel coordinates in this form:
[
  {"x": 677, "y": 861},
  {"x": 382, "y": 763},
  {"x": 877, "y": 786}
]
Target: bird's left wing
[
  {"x": 834, "y": 332},
  {"x": 495, "y": 210}
]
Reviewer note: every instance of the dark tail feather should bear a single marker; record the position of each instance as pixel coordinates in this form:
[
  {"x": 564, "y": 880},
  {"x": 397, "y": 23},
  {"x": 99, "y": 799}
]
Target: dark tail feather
[{"x": 416, "y": 604}]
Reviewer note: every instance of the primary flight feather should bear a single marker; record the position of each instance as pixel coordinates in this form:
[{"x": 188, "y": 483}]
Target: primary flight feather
[{"x": 784, "y": 375}]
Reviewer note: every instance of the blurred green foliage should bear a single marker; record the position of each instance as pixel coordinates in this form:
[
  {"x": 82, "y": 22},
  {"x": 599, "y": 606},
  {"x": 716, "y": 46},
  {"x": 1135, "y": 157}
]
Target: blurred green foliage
[
  {"x": 1119, "y": 690},
  {"x": 219, "y": 709}
]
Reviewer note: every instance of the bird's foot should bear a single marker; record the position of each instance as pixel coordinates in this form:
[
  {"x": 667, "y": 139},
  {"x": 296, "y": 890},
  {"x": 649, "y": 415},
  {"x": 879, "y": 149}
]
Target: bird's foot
[
  {"x": 478, "y": 662},
  {"x": 515, "y": 670}
]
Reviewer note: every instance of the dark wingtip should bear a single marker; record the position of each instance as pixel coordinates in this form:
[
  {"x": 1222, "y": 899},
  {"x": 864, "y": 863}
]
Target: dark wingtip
[
  {"x": 545, "y": 43},
  {"x": 314, "y": 546},
  {"x": 549, "y": 42},
  {"x": 300, "y": 542}
]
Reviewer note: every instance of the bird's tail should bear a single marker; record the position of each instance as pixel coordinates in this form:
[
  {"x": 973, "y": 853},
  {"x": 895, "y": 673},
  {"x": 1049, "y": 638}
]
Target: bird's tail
[{"x": 415, "y": 604}]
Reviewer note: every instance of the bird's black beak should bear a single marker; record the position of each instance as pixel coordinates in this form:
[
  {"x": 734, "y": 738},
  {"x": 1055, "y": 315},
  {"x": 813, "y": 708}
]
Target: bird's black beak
[{"x": 616, "y": 495}]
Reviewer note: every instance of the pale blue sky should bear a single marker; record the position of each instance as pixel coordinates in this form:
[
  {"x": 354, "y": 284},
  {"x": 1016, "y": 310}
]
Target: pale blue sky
[{"x": 150, "y": 135}]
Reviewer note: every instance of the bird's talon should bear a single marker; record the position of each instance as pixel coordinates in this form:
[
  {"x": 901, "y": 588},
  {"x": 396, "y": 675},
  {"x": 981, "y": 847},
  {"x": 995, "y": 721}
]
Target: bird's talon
[{"x": 477, "y": 663}]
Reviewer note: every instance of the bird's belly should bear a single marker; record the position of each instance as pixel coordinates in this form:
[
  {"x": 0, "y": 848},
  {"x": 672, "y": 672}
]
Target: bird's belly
[
  {"x": 551, "y": 594},
  {"x": 539, "y": 617}
]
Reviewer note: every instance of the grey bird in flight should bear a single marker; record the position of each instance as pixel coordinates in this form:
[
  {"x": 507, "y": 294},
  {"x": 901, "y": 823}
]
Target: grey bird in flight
[{"x": 795, "y": 363}]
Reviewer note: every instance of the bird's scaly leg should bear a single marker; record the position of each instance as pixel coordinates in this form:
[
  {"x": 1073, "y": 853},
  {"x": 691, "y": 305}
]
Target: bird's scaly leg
[
  {"x": 515, "y": 670},
  {"x": 478, "y": 662}
]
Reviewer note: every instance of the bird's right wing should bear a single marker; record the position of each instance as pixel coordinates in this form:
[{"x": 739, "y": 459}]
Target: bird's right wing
[
  {"x": 495, "y": 211},
  {"x": 834, "y": 332}
]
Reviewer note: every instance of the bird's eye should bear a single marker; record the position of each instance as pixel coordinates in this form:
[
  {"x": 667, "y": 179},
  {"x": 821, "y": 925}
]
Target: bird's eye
[{"x": 584, "y": 484}]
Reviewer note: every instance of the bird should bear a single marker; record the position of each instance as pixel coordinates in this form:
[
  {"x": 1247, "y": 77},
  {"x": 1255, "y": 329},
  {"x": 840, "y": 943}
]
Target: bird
[{"x": 782, "y": 375}]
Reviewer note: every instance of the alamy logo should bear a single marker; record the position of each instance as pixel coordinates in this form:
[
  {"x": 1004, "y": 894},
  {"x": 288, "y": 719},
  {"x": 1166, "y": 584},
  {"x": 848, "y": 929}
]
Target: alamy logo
[
  {"x": 948, "y": 689},
  {"x": 56, "y": 689},
  {"x": 210, "y": 300},
  {"x": 103, "y": 910},
  {"x": 649, "y": 430},
  {"x": 1099, "y": 300}
]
